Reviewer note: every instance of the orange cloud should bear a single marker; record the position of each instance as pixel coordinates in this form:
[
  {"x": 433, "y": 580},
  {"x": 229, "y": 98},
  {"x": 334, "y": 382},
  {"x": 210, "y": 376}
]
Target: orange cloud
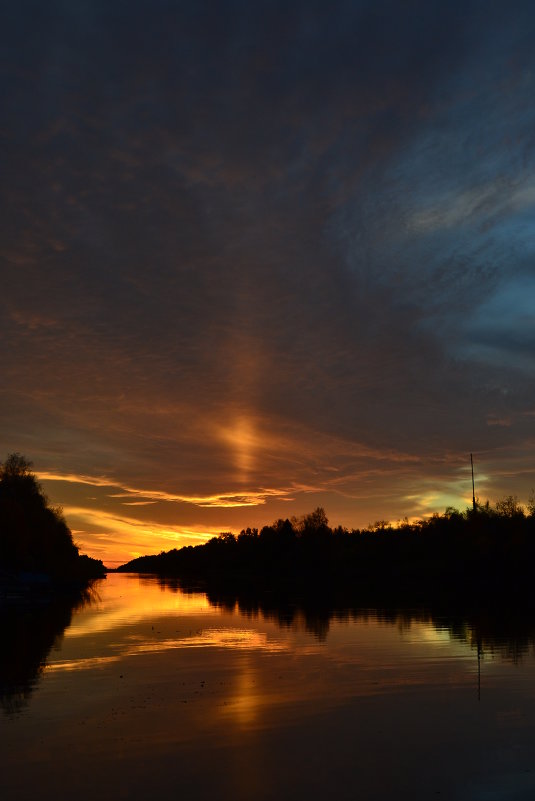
[
  {"x": 221, "y": 500},
  {"x": 119, "y": 538}
]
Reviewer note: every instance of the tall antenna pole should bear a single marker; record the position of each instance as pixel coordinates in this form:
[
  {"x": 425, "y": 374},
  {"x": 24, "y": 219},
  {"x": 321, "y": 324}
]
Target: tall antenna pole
[
  {"x": 478, "y": 667},
  {"x": 473, "y": 487}
]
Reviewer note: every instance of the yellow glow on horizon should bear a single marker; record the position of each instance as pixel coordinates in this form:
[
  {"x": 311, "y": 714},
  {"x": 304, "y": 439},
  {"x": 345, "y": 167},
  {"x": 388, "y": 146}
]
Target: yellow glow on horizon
[
  {"x": 130, "y": 537},
  {"x": 122, "y": 519},
  {"x": 130, "y": 525},
  {"x": 433, "y": 501}
]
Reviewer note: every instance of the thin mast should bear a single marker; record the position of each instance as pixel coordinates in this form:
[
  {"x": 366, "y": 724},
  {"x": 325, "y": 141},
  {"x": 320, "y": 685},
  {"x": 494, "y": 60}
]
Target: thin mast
[{"x": 473, "y": 487}]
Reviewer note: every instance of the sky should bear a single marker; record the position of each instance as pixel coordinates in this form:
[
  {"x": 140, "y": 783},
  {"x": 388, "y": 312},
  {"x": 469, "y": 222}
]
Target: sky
[{"x": 259, "y": 257}]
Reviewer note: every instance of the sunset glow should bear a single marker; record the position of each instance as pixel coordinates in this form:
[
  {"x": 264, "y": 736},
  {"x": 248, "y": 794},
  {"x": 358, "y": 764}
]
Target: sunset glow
[
  {"x": 267, "y": 410},
  {"x": 257, "y": 260}
]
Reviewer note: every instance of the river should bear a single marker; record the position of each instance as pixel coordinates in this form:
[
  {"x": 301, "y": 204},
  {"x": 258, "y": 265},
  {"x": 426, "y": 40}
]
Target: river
[{"x": 145, "y": 690}]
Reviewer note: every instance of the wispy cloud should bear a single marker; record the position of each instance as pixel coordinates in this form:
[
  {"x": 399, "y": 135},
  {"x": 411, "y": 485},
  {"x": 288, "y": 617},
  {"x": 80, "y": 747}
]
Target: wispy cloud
[
  {"x": 220, "y": 500},
  {"x": 110, "y": 534}
]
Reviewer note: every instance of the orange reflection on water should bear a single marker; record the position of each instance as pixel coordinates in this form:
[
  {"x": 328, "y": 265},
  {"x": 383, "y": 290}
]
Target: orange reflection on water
[
  {"x": 150, "y": 684},
  {"x": 81, "y": 664},
  {"x": 244, "y": 703},
  {"x": 134, "y": 602},
  {"x": 233, "y": 639}
]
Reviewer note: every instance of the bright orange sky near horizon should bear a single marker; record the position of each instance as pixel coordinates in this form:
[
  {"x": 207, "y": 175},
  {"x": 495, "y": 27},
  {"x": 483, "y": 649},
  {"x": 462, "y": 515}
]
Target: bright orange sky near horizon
[{"x": 115, "y": 521}]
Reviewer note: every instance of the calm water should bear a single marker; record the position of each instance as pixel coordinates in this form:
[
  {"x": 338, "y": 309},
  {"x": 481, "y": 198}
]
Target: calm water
[{"x": 153, "y": 691}]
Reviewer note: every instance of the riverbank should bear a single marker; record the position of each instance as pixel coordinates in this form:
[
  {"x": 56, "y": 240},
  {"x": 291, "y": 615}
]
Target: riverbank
[{"x": 478, "y": 553}]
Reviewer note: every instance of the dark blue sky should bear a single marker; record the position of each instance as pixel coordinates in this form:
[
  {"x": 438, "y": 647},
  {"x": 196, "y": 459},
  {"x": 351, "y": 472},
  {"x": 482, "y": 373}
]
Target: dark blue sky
[{"x": 269, "y": 253}]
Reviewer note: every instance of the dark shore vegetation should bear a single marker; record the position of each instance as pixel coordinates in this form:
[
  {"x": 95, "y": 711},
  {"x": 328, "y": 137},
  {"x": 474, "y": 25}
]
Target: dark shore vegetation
[
  {"x": 486, "y": 553},
  {"x": 30, "y": 630},
  {"x": 37, "y": 551}
]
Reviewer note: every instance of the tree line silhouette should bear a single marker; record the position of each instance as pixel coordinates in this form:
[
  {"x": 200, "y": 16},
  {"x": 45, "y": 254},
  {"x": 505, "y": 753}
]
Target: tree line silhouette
[
  {"x": 34, "y": 537},
  {"x": 482, "y": 548}
]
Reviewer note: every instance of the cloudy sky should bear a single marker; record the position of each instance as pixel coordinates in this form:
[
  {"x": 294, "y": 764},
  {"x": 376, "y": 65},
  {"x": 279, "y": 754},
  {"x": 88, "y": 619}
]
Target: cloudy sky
[{"x": 258, "y": 257}]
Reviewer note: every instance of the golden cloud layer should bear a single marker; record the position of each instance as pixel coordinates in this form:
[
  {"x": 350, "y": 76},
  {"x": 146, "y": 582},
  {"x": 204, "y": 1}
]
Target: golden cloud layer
[{"x": 221, "y": 500}]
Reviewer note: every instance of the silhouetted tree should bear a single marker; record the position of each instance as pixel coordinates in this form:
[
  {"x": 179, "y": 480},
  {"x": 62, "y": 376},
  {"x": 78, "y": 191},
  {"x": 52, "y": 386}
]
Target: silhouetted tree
[
  {"x": 509, "y": 507},
  {"x": 446, "y": 553},
  {"x": 34, "y": 535}
]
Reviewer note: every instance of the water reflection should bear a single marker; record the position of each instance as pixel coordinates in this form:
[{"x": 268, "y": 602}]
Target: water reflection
[
  {"x": 504, "y": 631},
  {"x": 144, "y": 615},
  {"x": 153, "y": 687},
  {"x": 30, "y": 630}
]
